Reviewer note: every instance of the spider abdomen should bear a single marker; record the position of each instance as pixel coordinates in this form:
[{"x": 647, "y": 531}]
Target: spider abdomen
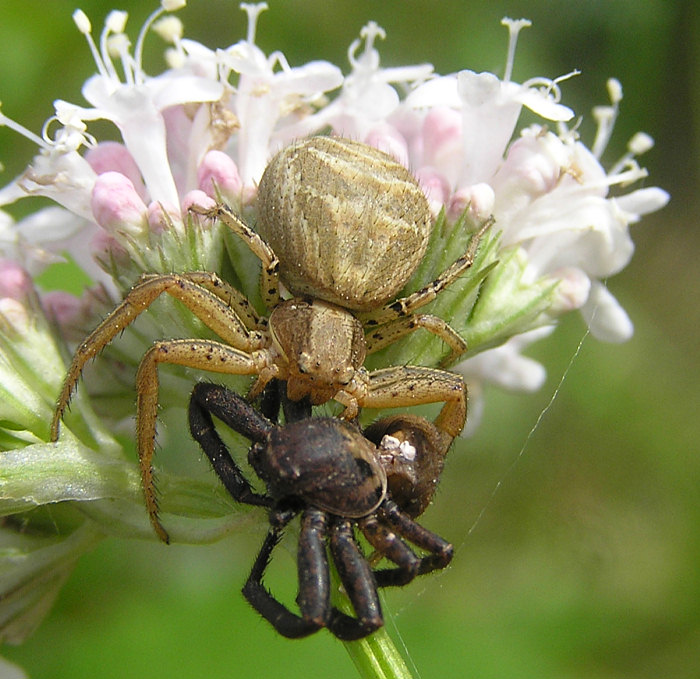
[
  {"x": 325, "y": 462},
  {"x": 348, "y": 223}
]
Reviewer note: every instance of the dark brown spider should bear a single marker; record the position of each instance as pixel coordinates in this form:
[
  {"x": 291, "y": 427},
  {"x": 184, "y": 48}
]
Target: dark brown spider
[{"x": 339, "y": 479}]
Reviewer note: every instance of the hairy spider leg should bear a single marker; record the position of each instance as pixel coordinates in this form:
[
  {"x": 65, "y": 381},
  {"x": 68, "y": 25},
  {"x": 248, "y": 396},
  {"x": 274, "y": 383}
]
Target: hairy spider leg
[
  {"x": 358, "y": 581},
  {"x": 394, "y": 330},
  {"x": 231, "y": 296},
  {"x": 198, "y": 291},
  {"x": 414, "y": 385},
  {"x": 269, "y": 277},
  {"x": 277, "y": 614},
  {"x": 211, "y": 399},
  {"x": 313, "y": 574},
  {"x": 199, "y": 354},
  {"x": 385, "y": 541},
  {"x": 313, "y": 598},
  {"x": 392, "y": 316},
  {"x": 314, "y": 588}
]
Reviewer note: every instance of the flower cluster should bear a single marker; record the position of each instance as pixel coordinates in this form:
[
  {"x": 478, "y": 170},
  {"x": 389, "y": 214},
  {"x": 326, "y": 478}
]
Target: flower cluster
[{"x": 202, "y": 132}]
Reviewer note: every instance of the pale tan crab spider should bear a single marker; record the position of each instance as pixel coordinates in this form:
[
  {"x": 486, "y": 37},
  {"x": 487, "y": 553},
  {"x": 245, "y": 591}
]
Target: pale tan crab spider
[{"x": 316, "y": 344}]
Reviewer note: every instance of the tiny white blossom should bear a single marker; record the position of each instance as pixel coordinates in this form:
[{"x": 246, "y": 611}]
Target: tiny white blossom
[{"x": 268, "y": 91}]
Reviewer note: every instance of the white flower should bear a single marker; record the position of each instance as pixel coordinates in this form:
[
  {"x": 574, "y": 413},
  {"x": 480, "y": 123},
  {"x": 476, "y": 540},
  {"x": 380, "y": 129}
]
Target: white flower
[
  {"x": 549, "y": 194},
  {"x": 367, "y": 100},
  {"x": 264, "y": 96}
]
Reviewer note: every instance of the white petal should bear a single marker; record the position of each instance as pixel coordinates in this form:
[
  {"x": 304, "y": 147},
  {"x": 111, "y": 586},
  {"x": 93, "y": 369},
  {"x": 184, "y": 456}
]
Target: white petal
[
  {"x": 52, "y": 224},
  {"x": 607, "y": 320},
  {"x": 489, "y": 116},
  {"x": 545, "y": 106},
  {"x": 184, "y": 89},
  {"x": 505, "y": 366},
  {"x": 246, "y": 58},
  {"x": 65, "y": 178},
  {"x": 566, "y": 229},
  {"x": 406, "y": 74},
  {"x": 643, "y": 201},
  {"x": 312, "y": 78},
  {"x": 440, "y": 91}
]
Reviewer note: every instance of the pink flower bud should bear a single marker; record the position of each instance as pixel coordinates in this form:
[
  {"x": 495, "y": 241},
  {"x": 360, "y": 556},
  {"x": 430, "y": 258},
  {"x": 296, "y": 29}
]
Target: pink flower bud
[
  {"x": 106, "y": 248},
  {"x": 442, "y": 127},
  {"x": 161, "y": 217},
  {"x": 249, "y": 194},
  {"x": 534, "y": 163},
  {"x": 15, "y": 282},
  {"x": 110, "y": 156},
  {"x": 572, "y": 291},
  {"x": 218, "y": 172},
  {"x": 76, "y": 316},
  {"x": 478, "y": 198},
  {"x": 61, "y": 307},
  {"x": 117, "y": 207},
  {"x": 199, "y": 198},
  {"x": 388, "y": 139},
  {"x": 435, "y": 186}
]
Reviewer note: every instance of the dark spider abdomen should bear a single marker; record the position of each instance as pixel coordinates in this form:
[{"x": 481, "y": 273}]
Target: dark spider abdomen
[{"x": 326, "y": 462}]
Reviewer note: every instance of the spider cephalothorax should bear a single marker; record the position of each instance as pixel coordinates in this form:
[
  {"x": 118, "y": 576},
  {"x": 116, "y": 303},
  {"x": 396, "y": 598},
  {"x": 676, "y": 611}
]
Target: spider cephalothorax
[
  {"x": 340, "y": 480},
  {"x": 351, "y": 225}
]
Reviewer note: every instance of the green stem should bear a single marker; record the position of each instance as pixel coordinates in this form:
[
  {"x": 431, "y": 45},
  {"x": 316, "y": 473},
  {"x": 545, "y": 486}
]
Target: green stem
[{"x": 376, "y": 657}]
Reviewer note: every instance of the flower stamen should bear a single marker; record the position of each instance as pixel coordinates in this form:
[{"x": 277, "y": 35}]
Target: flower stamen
[
  {"x": 605, "y": 117},
  {"x": 85, "y": 27},
  {"x": 20, "y": 129},
  {"x": 138, "y": 52},
  {"x": 369, "y": 58},
  {"x": 253, "y": 10},
  {"x": 114, "y": 23},
  {"x": 514, "y": 28}
]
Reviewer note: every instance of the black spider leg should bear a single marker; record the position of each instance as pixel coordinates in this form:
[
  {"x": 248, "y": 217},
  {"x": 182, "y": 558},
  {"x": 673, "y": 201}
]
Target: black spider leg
[
  {"x": 388, "y": 541},
  {"x": 314, "y": 580},
  {"x": 293, "y": 410},
  {"x": 353, "y": 569},
  {"x": 269, "y": 402},
  {"x": 358, "y": 580},
  {"x": 212, "y": 399}
]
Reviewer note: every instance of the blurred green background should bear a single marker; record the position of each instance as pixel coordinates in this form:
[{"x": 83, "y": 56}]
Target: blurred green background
[{"x": 577, "y": 557}]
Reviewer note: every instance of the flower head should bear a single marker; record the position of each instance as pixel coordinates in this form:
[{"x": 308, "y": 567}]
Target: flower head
[{"x": 202, "y": 132}]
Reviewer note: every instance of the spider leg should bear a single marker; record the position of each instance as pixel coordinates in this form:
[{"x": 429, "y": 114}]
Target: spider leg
[
  {"x": 314, "y": 587},
  {"x": 413, "y": 385},
  {"x": 210, "y": 307},
  {"x": 358, "y": 580},
  {"x": 314, "y": 598},
  {"x": 406, "y": 305},
  {"x": 231, "y": 296},
  {"x": 394, "y": 330},
  {"x": 396, "y": 319},
  {"x": 202, "y": 354},
  {"x": 269, "y": 277},
  {"x": 390, "y": 545},
  {"x": 270, "y": 401},
  {"x": 440, "y": 550},
  {"x": 211, "y": 399}
]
